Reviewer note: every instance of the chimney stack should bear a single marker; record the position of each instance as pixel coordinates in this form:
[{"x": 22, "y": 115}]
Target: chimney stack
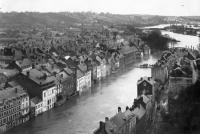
[{"x": 106, "y": 119}]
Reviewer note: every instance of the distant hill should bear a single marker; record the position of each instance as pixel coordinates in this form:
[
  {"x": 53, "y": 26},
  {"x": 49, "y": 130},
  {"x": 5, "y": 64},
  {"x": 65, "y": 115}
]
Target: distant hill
[{"x": 74, "y": 19}]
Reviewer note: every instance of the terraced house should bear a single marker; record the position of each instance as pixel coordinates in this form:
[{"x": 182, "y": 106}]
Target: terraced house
[{"x": 14, "y": 107}]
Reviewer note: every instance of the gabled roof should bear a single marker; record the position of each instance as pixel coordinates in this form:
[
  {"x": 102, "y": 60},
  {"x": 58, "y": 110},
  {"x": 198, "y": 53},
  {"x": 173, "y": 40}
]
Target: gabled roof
[
  {"x": 147, "y": 79},
  {"x": 117, "y": 121}
]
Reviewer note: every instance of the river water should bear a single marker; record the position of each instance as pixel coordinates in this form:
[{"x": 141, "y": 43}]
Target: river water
[{"x": 81, "y": 115}]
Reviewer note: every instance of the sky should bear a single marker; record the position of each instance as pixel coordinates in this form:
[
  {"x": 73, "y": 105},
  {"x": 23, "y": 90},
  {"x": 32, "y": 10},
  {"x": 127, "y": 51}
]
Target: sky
[{"x": 152, "y": 7}]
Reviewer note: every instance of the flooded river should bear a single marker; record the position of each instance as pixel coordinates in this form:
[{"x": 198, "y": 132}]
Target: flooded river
[{"x": 81, "y": 115}]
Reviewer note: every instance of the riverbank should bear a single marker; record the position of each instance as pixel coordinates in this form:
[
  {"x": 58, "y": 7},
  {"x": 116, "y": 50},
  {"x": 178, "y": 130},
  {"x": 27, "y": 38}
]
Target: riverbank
[{"x": 82, "y": 114}]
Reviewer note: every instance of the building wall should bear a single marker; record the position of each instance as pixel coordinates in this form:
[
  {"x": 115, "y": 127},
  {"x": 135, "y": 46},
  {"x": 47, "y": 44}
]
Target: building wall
[
  {"x": 122, "y": 63},
  {"x": 80, "y": 84},
  {"x": 38, "y": 108},
  {"x": 108, "y": 69},
  {"x": 103, "y": 70},
  {"x": 99, "y": 72},
  {"x": 11, "y": 112},
  {"x": 147, "y": 88},
  {"x": 25, "y": 105},
  {"x": 48, "y": 98},
  {"x": 59, "y": 89},
  {"x": 88, "y": 81},
  {"x": 84, "y": 82},
  {"x": 68, "y": 86},
  {"x": 129, "y": 58},
  {"x": 159, "y": 73}
]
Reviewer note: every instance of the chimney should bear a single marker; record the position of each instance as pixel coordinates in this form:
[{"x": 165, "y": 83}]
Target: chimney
[
  {"x": 119, "y": 109},
  {"x": 127, "y": 108},
  {"x": 106, "y": 119},
  {"x": 148, "y": 78}
]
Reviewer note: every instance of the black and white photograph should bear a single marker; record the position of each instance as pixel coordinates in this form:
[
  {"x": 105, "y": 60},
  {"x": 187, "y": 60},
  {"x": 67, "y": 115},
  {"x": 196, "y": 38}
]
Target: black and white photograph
[{"x": 99, "y": 66}]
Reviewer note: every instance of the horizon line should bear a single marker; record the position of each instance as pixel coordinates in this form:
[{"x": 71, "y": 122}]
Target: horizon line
[{"x": 97, "y": 13}]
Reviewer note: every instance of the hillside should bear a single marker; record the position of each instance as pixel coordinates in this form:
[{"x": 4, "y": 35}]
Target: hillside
[
  {"x": 77, "y": 18},
  {"x": 68, "y": 19}
]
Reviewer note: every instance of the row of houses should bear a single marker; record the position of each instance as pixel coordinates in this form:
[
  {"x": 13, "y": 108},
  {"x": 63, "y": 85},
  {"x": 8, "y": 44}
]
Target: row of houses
[
  {"x": 133, "y": 119},
  {"x": 47, "y": 84},
  {"x": 51, "y": 70},
  {"x": 130, "y": 121}
]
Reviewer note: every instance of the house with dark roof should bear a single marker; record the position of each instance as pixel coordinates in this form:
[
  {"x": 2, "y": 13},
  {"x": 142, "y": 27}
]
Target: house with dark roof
[
  {"x": 131, "y": 121},
  {"x": 38, "y": 84},
  {"x": 121, "y": 123},
  {"x": 145, "y": 86}
]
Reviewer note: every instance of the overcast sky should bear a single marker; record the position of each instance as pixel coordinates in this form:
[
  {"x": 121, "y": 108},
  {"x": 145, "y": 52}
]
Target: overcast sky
[{"x": 156, "y": 7}]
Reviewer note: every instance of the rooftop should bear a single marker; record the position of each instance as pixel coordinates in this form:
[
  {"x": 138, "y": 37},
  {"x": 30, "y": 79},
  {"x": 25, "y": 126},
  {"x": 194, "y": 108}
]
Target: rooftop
[
  {"x": 24, "y": 62},
  {"x": 11, "y": 92},
  {"x": 39, "y": 77},
  {"x": 147, "y": 79}
]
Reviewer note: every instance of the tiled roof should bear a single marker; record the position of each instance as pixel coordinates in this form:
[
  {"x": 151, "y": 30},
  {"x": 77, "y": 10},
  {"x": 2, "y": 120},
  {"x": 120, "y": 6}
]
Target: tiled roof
[{"x": 11, "y": 92}]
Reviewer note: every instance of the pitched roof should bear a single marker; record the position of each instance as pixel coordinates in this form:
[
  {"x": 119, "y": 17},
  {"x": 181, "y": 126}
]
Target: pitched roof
[
  {"x": 11, "y": 92},
  {"x": 147, "y": 79},
  {"x": 139, "y": 112}
]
